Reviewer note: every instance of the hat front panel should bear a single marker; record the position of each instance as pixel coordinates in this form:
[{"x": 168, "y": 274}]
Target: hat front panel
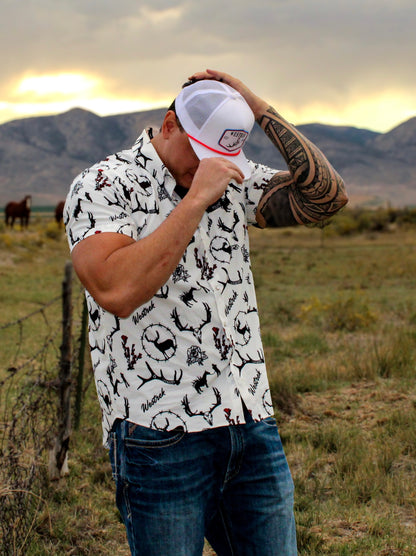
[{"x": 232, "y": 119}]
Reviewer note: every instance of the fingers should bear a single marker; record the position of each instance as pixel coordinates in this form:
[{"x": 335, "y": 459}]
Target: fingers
[
  {"x": 239, "y": 177},
  {"x": 219, "y": 76},
  {"x": 228, "y": 166},
  {"x": 212, "y": 179},
  {"x": 224, "y": 167},
  {"x": 218, "y": 170},
  {"x": 211, "y": 74},
  {"x": 198, "y": 75}
]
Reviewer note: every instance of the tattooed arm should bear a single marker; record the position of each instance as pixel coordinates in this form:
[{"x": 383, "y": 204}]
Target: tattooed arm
[{"x": 311, "y": 190}]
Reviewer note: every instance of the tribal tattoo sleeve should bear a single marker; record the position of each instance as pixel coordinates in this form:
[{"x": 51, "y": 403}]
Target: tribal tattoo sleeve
[{"x": 310, "y": 192}]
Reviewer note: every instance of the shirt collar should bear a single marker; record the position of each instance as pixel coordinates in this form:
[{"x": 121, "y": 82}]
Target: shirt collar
[{"x": 147, "y": 157}]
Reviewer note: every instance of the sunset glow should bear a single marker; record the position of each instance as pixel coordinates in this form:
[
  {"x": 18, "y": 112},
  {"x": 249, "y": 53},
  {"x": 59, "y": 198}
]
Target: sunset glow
[
  {"x": 340, "y": 63},
  {"x": 37, "y": 95},
  {"x": 65, "y": 84},
  {"x": 380, "y": 112}
]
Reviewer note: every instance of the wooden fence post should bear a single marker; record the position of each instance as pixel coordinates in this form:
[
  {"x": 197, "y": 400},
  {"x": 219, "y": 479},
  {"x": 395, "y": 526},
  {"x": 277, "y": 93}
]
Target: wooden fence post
[
  {"x": 81, "y": 364},
  {"x": 58, "y": 456}
]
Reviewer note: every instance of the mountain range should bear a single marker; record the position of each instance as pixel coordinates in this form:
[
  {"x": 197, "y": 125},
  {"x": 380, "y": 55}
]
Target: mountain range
[{"x": 41, "y": 155}]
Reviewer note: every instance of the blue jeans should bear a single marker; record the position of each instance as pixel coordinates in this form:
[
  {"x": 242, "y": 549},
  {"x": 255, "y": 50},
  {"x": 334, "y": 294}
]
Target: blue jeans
[{"x": 230, "y": 484}]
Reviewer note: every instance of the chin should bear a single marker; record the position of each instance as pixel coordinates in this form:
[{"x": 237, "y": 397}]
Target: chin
[{"x": 186, "y": 183}]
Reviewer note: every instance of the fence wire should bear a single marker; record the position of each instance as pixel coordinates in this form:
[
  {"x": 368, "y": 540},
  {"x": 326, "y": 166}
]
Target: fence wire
[{"x": 28, "y": 419}]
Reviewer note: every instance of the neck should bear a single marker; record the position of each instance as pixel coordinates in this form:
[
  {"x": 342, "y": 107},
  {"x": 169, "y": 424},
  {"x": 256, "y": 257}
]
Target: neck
[{"x": 157, "y": 142}]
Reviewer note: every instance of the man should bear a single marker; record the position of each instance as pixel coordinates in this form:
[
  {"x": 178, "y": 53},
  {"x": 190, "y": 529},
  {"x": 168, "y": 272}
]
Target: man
[{"x": 159, "y": 239}]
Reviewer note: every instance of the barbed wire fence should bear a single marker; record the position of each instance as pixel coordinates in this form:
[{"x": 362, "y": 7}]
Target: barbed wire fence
[{"x": 35, "y": 408}]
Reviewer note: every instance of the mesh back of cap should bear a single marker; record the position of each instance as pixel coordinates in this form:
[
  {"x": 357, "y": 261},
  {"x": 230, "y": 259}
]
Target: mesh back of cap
[{"x": 201, "y": 106}]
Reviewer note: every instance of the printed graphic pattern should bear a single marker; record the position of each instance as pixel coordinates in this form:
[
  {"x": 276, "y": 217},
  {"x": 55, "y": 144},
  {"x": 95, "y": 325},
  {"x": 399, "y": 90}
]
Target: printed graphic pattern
[{"x": 188, "y": 356}]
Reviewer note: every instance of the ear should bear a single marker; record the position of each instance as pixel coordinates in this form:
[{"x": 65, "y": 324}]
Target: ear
[{"x": 169, "y": 124}]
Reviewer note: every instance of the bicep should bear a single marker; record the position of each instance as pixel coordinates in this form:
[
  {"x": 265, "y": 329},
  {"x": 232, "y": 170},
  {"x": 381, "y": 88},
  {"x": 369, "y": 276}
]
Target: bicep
[
  {"x": 274, "y": 208},
  {"x": 90, "y": 259}
]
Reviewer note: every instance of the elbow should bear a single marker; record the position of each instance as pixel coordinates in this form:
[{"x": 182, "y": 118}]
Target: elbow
[
  {"x": 342, "y": 196},
  {"x": 123, "y": 310},
  {"x": 341, "y": 199},
  {"x": 120, "y": 311},
  {"x": 119, "y": 305},
  {"x": 113, "y": 305},
  {"x": 120, "y": 299}
]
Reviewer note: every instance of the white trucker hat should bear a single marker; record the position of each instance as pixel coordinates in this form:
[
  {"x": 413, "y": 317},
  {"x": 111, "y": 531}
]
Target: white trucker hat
[{"x": 217, "y": 120}]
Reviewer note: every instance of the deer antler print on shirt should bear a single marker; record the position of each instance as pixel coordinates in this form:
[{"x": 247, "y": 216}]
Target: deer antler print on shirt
[
  {"x": 206, "y": 414},
  {"x": 195, "y": 330},
  {"x": 177, "y": 377}
]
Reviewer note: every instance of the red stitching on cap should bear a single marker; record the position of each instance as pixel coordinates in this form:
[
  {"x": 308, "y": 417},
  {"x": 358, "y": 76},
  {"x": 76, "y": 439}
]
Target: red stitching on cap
[{"x": 213, "y": 150}]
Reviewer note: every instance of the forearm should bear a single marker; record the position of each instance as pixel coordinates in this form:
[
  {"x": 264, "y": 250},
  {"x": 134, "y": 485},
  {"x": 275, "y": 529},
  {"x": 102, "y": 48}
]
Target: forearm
[
  {"x": 312, "y": 189},
  {"x": 158, "y": 255}
]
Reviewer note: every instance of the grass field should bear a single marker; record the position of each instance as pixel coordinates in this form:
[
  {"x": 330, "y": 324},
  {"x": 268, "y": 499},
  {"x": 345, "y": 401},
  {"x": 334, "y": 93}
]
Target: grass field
[{"x": 339, "y": 328}]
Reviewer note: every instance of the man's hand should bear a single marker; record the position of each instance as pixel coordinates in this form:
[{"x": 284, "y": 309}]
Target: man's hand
[
  {"x": 212, "y": 178},
  {"x": 257, "y": 105}
]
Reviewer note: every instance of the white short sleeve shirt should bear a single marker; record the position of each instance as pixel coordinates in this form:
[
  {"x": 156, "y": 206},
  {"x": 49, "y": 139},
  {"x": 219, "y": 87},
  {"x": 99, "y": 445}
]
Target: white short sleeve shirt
[{"x": 191, "y": 355}]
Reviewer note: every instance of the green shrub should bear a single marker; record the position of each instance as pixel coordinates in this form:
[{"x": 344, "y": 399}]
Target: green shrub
[
  {"x": 345, "y": 224},
  {"x": 6, "y": 240},
  {"x": 344, "y": 313},
  {"x": 53, "y": 231}
]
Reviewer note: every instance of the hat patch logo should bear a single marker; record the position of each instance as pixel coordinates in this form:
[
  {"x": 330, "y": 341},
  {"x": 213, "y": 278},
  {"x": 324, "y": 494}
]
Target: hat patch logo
[{"x": 233, "y": 139}]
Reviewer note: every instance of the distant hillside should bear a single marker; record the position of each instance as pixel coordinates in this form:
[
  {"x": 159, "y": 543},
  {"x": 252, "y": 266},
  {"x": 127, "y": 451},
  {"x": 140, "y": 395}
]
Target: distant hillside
[{"x": 41, "y": 155}]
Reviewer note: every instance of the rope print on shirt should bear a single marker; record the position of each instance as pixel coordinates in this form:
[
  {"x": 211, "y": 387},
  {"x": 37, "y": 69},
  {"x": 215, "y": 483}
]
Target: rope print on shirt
[{"x": 191, "y": 354}]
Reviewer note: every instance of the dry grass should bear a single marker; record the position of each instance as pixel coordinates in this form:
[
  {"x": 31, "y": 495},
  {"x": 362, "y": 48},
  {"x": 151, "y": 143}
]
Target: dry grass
[{"x": 339, "y": 326}]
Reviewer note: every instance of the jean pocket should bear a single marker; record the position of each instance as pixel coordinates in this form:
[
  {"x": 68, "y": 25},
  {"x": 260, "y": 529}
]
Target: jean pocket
[
  {"x": 149, "y": 454},
  {"x": 143, "y": 437},
  {"x": 270, "y": 422}
]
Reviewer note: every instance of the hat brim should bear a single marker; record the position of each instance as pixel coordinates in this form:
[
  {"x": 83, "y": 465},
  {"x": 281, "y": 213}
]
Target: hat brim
[{"x": 239, "y": 160}]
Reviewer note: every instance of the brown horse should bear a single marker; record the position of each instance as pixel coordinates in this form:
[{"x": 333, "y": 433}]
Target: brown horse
[
  {"x": 20, "y": 210},
  {"x": 59, "y": 212}
]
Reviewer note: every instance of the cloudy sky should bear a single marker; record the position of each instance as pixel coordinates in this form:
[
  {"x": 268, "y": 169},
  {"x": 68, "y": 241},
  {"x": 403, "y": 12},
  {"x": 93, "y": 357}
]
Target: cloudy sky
[{"x": 341, "y": 62}]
